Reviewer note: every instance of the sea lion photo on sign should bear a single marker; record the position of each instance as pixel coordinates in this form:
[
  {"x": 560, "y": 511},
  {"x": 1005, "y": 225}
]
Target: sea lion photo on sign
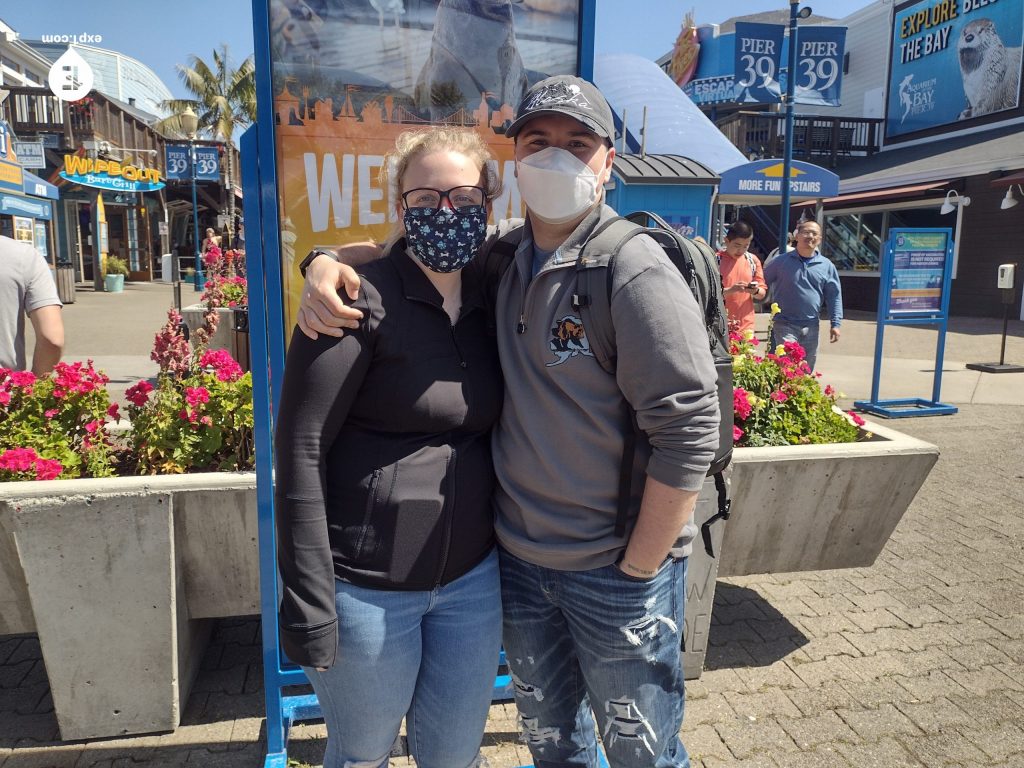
[
  {"x": 990, "y": 70},
  {"x": 473, "y": 52}
]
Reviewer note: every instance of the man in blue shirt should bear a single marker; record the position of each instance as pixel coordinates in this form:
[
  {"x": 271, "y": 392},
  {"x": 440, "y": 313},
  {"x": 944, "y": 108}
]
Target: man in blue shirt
[{"x": 801, "y": 281}]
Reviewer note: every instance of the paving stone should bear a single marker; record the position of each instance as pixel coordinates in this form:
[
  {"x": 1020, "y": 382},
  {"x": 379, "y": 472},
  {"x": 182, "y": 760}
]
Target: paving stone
[
  {"x": 27, "y": 650},
  {"x": 998, "y": 742},
  {"x": 940, "y": 749},
  {"x": 830, "y": 605},
  {"x": 830, "y": 695},
  {"x": 814, "y": 673},
  {"x": 868, "y": 621},
  {"x": 824, "y": 728},
  {"x": 777, "y": 629},
  {"x": 919, "y": 615},
  {"x": 994, "y": 707},
  {"x": 738, "y": 632},
  {"x": 8, "y": 645},
  {"x": 704, "y": 742},
  {"x": 885, "y": 753},
  {"x": 817, "y": 626},
  {"x": 231, "y": 681},
  {"x": 727, "y": 613},
  {"x": 773, "y": 703},
  {"x": 903, "y": 638},
  {"x": 977, "y": 655},
  {"x": 1011, "y": 626},
  {"x": 934, "y": 716},
  {"x": 745, "y": 737},
  {"x": 774, "y": 676},
  {"x": 874, "y": 724},
  {"x": 981, "y": 681},
  {"x": 731, "y": 655},
  {"x": 1014, "y": 649},
  {"x": 11, "y": 675},
  {"x": 760, "y": 760},
  {"x": 235, "y": 655},
  {"x": 711, "y": 709},
  {"x": 36, "y": 728},
  {"x": 877, "y": 601},
  {"x": 872, "y": 694},
  {"x": 27, "y": 754},
  {"x": 823, "y": 646},
  {"x": 765, "y": 653},
  {"x": 931, "y": 686}
]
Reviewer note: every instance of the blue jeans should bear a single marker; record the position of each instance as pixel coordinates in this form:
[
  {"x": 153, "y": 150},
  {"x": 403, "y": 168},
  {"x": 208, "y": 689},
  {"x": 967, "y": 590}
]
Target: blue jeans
[
  {"x": 428, "y": 656},
  {"x": 804, "y": 335},
  {"x": 586, "y": 643}
]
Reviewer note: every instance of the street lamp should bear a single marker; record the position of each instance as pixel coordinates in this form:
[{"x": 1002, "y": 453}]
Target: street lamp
[
  {"x": 190, "y": 124},
  {"x": 795, "y": 12}
]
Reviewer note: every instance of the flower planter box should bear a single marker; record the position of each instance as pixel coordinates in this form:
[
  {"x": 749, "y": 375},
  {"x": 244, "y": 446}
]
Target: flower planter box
[
  {"x": 117, "y": 576},
  {"x": 819, "y": 507}
]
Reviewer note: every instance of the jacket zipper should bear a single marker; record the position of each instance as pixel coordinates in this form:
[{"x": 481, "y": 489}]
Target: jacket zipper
[
  {"x": 368, "y": 511},
  {"x": 449, "y": 514},
  {"x": 524, "y": 293}
]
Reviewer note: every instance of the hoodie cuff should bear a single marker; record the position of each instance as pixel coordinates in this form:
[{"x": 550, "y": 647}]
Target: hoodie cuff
[{"x": 311, "y": 646}]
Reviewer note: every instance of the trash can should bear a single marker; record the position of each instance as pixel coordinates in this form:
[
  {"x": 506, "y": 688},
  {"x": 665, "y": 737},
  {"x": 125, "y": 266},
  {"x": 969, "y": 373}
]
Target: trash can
[
  {"x": 66, "y": 283},
  {"x": 240, "y": 336}
]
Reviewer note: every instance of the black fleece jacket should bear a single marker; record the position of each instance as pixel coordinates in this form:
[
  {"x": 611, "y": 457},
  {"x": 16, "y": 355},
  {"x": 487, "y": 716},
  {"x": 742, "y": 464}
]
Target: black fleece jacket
[{"x": 383, "y": 465}]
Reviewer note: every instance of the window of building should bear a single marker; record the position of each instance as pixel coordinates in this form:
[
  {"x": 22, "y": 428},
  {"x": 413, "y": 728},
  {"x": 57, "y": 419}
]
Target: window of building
[
  {"x": 854, "y": 239},
  {"x": 11, "y": 65},
  {"x": 34, "y": 78}
]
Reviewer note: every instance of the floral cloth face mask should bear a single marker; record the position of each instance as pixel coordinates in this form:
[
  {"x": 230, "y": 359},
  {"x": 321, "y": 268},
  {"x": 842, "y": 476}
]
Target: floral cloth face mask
[{"x": 443, "y": 239}]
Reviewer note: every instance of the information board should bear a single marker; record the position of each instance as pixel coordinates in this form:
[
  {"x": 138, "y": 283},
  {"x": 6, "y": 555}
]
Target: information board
[{"x": 918, "y": 271}]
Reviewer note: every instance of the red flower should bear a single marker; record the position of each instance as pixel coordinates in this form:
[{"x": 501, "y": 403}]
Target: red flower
[
  {"x": 138, "y": 395},
  {"x": 794, "y": 351},
  {"x": 93, "y": 425},
  {"x": 113, "y": 413},
  {"x": 737, "y": 433},
  {"x": 740, "y": 404},
  {"x": 222, "y": 363},
  {"x": 17, "y": 459},
  {"x": 48, "y": 469},
  {"x": 23, "y": 378},
  {"x": 829, "y": 390},
  {"x": 5, "y": 397},
  {"x": 779, "y": 396},
  {"x": 856, "y": 419},
  {"x": 51, "y": 412},
  {"x": 196, "y": 395}
]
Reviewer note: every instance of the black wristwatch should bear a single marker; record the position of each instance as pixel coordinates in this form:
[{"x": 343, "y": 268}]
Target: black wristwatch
[{"x": 304, "y": 264}]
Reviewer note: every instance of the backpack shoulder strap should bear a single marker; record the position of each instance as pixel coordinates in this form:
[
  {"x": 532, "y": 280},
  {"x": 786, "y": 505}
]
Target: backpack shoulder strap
[
  {"x": 753, "y": 267},
  {"x": 494, "y": 263},
  {"x": 592, "y": 298}
]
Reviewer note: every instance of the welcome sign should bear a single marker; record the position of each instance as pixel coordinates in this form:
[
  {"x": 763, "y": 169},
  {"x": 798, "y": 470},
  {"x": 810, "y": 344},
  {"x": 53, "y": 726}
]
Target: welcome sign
[{"x": 953, "y": 60}]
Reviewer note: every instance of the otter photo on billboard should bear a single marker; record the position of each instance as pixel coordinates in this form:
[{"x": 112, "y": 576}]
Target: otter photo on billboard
[
  {"x": 953, "y": 61},
  {"x": 350, "y": 75}
]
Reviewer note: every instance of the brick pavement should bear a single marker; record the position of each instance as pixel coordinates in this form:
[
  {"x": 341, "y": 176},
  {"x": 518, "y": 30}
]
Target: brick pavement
[{"x": 916, "y": 661}]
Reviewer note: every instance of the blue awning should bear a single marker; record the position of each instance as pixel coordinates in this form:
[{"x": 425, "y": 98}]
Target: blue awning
[
  {"x": 16, "y": 205},
  {"x": 37, "y": 187}
]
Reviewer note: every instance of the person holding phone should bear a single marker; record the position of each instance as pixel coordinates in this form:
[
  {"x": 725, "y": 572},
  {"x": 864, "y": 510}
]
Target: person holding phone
[{"x": 742, "y": 277}]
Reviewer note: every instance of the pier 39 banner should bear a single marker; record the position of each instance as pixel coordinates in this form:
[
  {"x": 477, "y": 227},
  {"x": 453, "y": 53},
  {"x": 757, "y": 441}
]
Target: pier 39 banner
[
  {"x": 348, "y": 78},
  {"x": 954, "y": 61}
]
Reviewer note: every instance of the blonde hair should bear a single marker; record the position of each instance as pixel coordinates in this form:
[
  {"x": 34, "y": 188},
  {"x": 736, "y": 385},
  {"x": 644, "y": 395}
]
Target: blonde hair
[{"x": 439, "y": 138}]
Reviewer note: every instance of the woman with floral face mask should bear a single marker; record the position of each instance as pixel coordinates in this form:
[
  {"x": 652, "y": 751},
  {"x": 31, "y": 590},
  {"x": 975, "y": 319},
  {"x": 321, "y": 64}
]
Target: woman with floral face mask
[{"x": 390, "y": 596}]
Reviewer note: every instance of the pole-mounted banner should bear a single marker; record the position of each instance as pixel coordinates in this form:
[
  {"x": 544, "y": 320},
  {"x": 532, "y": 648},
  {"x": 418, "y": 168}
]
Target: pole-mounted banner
[{"x": 758, "y": 61}]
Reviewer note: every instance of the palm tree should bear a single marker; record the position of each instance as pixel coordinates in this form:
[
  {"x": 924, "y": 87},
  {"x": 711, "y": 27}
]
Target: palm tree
[{"x": 225, "y": 99}]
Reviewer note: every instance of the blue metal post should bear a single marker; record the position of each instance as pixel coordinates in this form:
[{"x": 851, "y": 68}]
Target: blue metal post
[
  {"x": 198, "y": 279},
  {"x": 787, "y": 156}
]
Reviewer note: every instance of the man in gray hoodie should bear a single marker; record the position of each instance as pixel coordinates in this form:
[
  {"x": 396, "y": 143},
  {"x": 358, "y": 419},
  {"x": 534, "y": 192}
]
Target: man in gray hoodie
[{"x": 593, "y": 618}]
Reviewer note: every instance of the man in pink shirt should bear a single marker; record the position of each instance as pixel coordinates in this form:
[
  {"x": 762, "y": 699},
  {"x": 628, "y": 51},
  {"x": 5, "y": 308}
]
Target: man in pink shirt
[{"x": 742, "y": 277}]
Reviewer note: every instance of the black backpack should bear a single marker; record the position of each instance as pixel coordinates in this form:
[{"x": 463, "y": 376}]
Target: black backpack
[{"x": 698, "y": 264}]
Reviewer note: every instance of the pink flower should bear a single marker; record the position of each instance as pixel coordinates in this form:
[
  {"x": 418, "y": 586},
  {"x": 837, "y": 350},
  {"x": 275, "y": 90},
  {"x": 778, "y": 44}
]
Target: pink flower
[
  {"x": 856, "y": 419},
  {"x": 794, "y": 351},
  {"x": 206, "y": 421},
  {"x": 740, "y": 404},
  {"x": 5, "y": 397},
  {"x": 779, "y": 396},
  {"x": 196, "y": 395},
  {"x": 17, "y": 459},
  {"x": 51, "y": 412},
  {"x": 48, "y": 469},
  {"x": 113, "y": 412},
  {"x": 138, "y": 395},
  {"x": 737, "y": 433},
  {"x": 23, "y": 378},
  {"x": 829, "y": 390},
  {"x": 222, "y": 363}
]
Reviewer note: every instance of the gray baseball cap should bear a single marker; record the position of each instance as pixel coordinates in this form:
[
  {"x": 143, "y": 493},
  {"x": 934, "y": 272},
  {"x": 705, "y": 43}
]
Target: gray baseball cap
[{"x": 566, "y": 95}]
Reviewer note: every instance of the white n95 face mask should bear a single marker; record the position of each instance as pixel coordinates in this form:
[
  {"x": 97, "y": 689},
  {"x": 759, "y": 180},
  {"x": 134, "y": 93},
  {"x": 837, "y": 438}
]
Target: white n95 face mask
[{"x": 556, "y": 185}]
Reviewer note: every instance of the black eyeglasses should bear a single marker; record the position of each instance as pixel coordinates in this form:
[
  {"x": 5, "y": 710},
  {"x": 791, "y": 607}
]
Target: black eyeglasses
[{"x": 429, "y": 200}]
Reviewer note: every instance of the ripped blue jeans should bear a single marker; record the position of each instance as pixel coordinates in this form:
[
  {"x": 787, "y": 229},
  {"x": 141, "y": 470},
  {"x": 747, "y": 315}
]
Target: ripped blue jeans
[{"x": 586, "y": 644}]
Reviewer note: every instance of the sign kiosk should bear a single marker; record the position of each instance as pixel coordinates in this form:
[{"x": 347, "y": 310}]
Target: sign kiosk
[
  {"x": 915, "y": 284},
  {"x": 333, "y": 96}
]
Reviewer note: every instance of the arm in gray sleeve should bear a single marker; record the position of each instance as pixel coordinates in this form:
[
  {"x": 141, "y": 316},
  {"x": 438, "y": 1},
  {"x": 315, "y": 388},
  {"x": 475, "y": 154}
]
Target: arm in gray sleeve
[
  {"x": 321, "y": 380},
  {"x": 665, "y": 369},
  {"x": 40, "y": 290}
]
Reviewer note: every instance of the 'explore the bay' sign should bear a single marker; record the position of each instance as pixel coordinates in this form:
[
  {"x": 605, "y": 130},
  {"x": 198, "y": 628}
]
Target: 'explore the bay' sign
[{"x": 110, "y": 174}]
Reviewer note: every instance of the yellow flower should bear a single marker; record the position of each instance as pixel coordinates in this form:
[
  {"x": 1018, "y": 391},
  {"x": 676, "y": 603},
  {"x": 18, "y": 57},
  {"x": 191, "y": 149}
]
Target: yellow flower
[
  {"x": 774, "y": 309},
  {"x": 780, "y": 350},
  {"x": 753, "y": 399},
  {"x": 748, "y": 334}
]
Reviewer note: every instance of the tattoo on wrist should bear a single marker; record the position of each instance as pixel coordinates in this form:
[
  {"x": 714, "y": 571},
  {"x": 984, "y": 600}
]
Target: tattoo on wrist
[{"x": 628, "y": 565}]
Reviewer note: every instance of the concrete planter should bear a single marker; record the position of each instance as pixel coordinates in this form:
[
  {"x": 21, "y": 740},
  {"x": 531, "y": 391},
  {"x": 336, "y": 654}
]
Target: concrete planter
[
  {"x": 192, "y": 316},
  {"x": 117, "y": 576},
  {"x": 801, "y": 508},
  {"x": 818, "y": 507}
]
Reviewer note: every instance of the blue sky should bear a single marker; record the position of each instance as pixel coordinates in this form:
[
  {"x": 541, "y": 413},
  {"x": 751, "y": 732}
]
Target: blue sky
[{"x": 161, "y": 34}]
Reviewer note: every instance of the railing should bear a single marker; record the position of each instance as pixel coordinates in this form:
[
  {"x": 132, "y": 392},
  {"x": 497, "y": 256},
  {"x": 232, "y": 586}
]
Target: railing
[
  {"x": 31, "y": 110},
  {"x": 815, "y": 137}
]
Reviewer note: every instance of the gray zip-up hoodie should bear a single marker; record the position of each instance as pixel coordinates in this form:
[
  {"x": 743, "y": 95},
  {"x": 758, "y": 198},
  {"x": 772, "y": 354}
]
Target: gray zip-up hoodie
[{"x": 558, "y": 445}]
